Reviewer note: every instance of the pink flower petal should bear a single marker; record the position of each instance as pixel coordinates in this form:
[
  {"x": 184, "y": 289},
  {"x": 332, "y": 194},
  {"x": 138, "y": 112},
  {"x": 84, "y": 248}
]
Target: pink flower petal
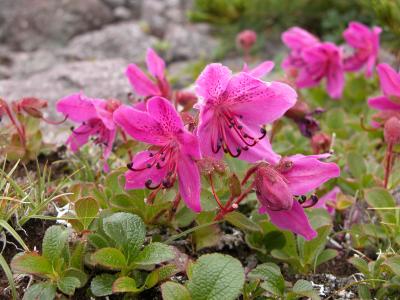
[
  {"x": 389, "y": 79},
  {"x": 383, "y": 103},
  {"x": 257, "y": 101},
  {"x": 298, "y": 38},
  {"x": 331, "y": 196},
  {"x": 104, "y": 115},
  {"x": 308, "y": 173},
  {"x": 189, "y": 182},
  {"x": 140, "y": 125},
  {"x": 294, "y": 220},
  {"x": 79, "y": 137},
  {"x": 155, "y": 64},
  {"x": 213, "y": 81},
  {"x": 335, "y": 81},
  {"x": 262, "y": 69},
  {"x": 142, "y": 85},
  {"x": 161, "y": 110},
  {"x": 77, "y": 107}
]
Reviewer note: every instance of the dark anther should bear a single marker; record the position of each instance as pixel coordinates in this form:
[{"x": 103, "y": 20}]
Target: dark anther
[
  {"x": 240, "y": 127},
  {"x": 166, "y": 183},
  {"x": 151, "y": 154},
  {"x": 240, "y": 116},
  {"x": 262, "y": 130},
  {"x": 314, "y": 200},
  {"x": 162, "y": 158},
  {"x": 130, "y": 166},
  {"x": 148, "y": 166},
  {"x": 245, "y": 148},
  {"x": 148, "y": 185},
  {"x": 245, "y": 135},
  {"x": 158, "y": 166},
  {"x": 72, "y": 128},
  {"x": 230, "y": 125}
]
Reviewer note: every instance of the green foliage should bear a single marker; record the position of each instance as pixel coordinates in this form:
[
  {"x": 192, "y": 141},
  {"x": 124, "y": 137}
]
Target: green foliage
[
  {"x": 119, "y": 247},
  {"x": 55, "y": 265}
]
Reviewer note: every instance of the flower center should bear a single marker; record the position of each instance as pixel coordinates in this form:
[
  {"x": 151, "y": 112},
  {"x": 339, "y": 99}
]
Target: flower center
[
  {"x": 164, "y": 158},
  {"x": 232, "y": 125}
]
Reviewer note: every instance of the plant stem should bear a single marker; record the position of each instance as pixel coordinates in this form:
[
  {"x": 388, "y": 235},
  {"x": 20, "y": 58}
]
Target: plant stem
[{"x": 389, "y": 162}]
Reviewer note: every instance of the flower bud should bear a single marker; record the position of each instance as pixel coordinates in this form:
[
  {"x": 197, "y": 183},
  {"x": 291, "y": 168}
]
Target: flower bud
[
  {"x": 392, "y": 131},
  {"x": 321, "y": 143},
  {"x": 298, "y": 111},
  {"x": 272, "y": 189},
  {"x": 246, "y": 39},
  {"x": 186, "y": 99}
]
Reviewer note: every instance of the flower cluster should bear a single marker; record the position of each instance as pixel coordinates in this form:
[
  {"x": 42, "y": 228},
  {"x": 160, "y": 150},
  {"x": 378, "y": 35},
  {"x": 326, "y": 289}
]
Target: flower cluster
[
  {"x": 234, "y": 109},
  {"x": 311, "y": 60}
]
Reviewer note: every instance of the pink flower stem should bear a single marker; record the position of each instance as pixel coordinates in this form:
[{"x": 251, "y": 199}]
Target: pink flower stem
[
  {"x": 231, "y": 207},
  {"x": 389, "y": 162},
  {"x": 20, "y": 128},
  {"x": 214, "y": 193}
]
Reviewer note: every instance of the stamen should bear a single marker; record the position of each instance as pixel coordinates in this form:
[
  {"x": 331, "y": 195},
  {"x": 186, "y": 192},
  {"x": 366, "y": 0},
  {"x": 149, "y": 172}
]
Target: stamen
[
  {"x": 314, "y": 200},
  {"x": 148, "y": 185}
]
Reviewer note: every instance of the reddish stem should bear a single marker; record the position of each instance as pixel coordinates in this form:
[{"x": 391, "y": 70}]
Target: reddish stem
[
  {"x": 389, "y": 162},
  {"x": 174, "y": 207},
  {"x": 214, "y": 193},
  {"x": 20, "y": 129},
  {"x": 125, "y": 139}
]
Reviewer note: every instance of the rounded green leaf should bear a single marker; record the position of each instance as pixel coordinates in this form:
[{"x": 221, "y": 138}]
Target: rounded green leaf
[
  {"x": 216, "y": 277},
  {"x": 31, "y": 263},
  {"x": 101, "y": 285},
  {"x": 125, "y": 285},
  {"x": 42, "y": 291},
  {"x": 54, "y": 241},
  {"x": 127, "y": 230},
  {"x": 109, "y": 257},
  {"x": 154, "y": 253},
  {"x": 67, "y": 285},
  {"x": 242, "y": 222},
  {"x": 174, "y": 291},
  {"x": 86, "y": 210}
]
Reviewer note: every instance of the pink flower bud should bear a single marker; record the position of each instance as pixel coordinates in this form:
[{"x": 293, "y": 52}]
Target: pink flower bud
[
  {"x": 392, "y": 131},
  {"x": 272, "y": 189},
  {"x": 246, "y": 39}
]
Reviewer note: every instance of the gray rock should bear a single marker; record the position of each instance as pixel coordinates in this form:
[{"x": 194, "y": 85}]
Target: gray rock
[
  {"x": 28, "y": 63},
  {"x": 124, "y": 40},
  {"x": 190, "y": 41},
  {"x": 102, "y": 79},
  {"x": 133, "y": 6},
  {"x": 122, "y": 13},
  {"x": 30, "y": 24}
]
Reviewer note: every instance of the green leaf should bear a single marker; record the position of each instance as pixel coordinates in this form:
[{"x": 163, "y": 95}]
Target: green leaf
[
  {"x": 125, "y": 285},
  {"x": 86, "y": 210},
  {"x": 110, "y": 257},
  {"x": 101, "y": 285},
  {"x": 79, "y": 274},
  {"x": 381, "y": 199},
  {"x": 313, "y": 248},
  {"x": 41, "y": 291},
  {"x": 241, "y": 221},
  {"x": 160, "y": 274},
  {"x": 122, "y": 201},
  {"x": 31, "y": 263},
  {"x": 54, "y": 241},
  {"x": 325, "y": 256},
  {"x": 304, "y": 288},
  {"x": 272, "y": 277},
  {"x": 127, "y": 230},
  {"x": 394, "y": 264},
  {"x": 356, "y": 164},
  {"x": 154, "y": 253},
  {"x": 77, "y": 256},
  {"x": 67, "y": 285},
  {"x": 216, "y": 277},
  {"x": 364, "y": 293},
  {"x": 174, "y": 291},
  {"x": 360, "y": 264},
  {"x": 97, "y": 241},
  {"x": 7, "y": 271}
]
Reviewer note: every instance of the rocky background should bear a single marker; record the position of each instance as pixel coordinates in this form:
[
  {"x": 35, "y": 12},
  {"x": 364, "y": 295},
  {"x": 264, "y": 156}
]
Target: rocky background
[{"x": 51, "y": 48}]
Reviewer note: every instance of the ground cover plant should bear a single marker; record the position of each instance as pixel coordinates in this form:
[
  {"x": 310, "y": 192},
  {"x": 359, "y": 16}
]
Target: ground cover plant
[{"x": 268, "y": 181}]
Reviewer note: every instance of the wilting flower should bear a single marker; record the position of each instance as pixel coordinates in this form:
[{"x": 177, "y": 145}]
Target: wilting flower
[
  {"x": 365, "y": 42},
  {"x": 278, "y": 185},
  {"x": 233, "y": 109},
  {"x": 30, "y": 105},
  {"x": 96, "y": 118},
  {"x": 320, "y": 143},
  {"x": 323, "y": 60},
  {"x": 389, "y": 103},
  {"x": 142, "y": 84},
  {"x": 297, "y": 40},
  {"x": 172, "y": 156}
]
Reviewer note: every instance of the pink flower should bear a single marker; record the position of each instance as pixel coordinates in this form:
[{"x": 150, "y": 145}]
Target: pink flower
[
  {"x": 261, "y": 70},
  {"x": 142, "y": 84},
  {"x": 233, "y": 109},
  {"x": 365, "y": 42},
  {"x": 246, "y": 39},
  {"x": 329, "y": 200},
  {"x": 323, "y": 60},
  {"x": 277, "y": 185},
  {"x": 297, "y": 40},
  {"x": 173, "y": 155},
  {"x": 96, "y": 118},
  {"x": 389, "y": 103}
]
